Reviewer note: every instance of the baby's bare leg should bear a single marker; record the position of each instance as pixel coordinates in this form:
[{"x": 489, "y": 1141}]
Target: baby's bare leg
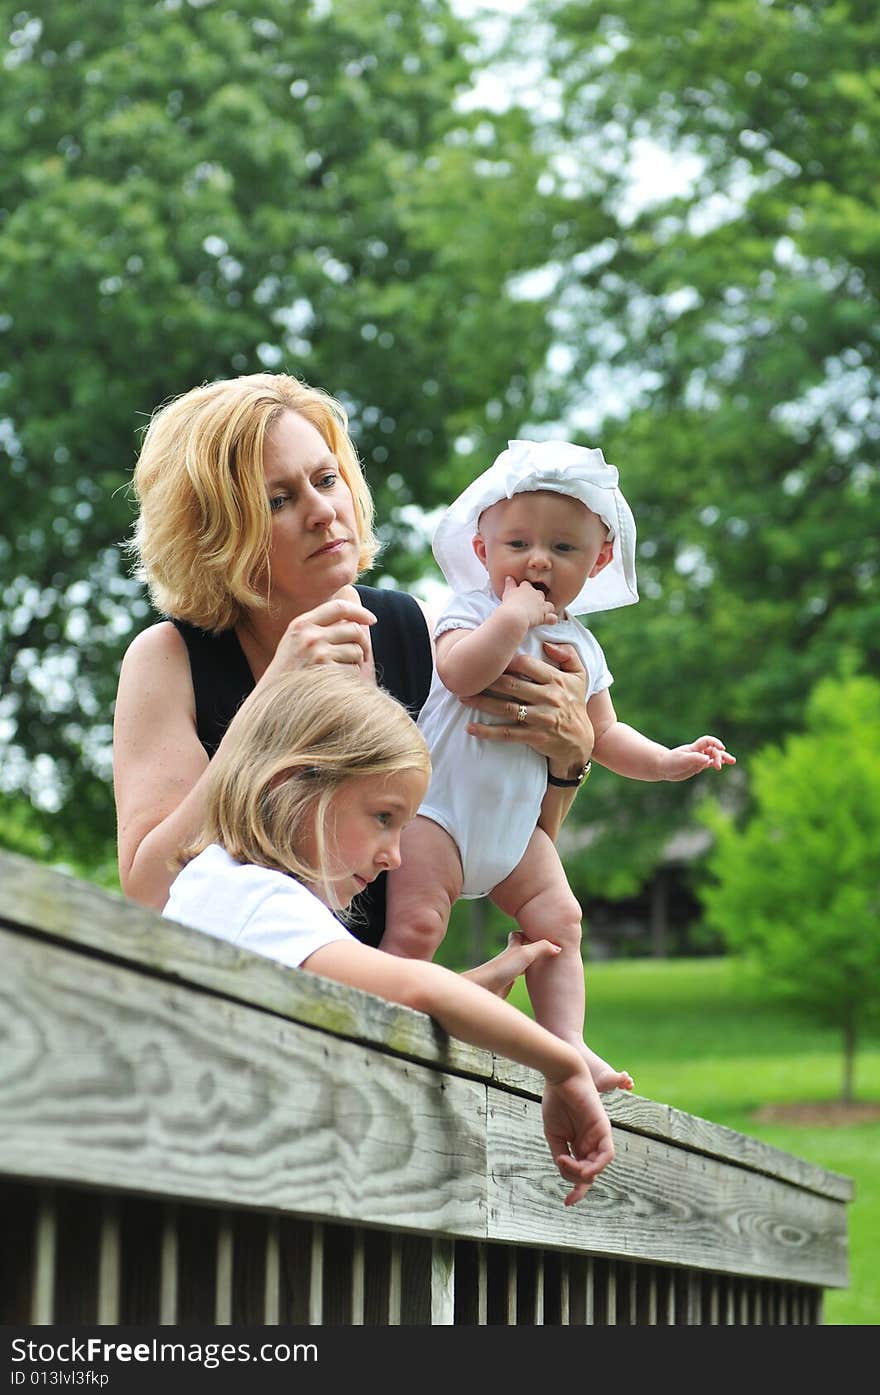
[
  {"x": 538, "y": 896},
  {"x": 421, "y": 891}
]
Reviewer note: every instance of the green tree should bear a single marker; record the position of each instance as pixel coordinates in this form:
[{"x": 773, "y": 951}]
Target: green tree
[
  {"x": 717, "y": 332},
  {"x": 797, "y": 888},
  {"x": 190, "y": 190}
]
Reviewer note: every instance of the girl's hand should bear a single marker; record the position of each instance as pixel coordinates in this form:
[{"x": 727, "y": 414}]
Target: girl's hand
[
  {"x": 578, "y": 1132},
  {"x": 498, "y": 975},
  {"x": 555, "y": 698},
  {"x": 682, "y": 762},
  {"x": 336, "y": 632},
  {"x": 528, "y": 602}
]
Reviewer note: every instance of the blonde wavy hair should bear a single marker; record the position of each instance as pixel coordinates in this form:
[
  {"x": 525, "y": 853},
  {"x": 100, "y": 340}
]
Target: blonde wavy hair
[
  {"x": 287, "y": 752},
  {"x": 201, "y": 540}
]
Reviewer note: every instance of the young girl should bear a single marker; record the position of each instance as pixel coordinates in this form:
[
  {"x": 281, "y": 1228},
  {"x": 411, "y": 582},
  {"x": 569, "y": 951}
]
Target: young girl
[
  {"x": 306, "y": 802},
  {"x": 543, "y": 535}
]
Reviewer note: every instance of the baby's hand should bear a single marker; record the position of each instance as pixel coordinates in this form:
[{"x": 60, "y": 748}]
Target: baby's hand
[
  {"x": 706, "y": 752},
  {"x": 529, "y": 602}
]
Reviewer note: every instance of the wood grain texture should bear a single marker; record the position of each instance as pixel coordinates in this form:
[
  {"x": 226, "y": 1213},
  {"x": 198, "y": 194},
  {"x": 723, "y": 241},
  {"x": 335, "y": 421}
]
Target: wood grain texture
[
  {"x": 110, "y": 1078},
  {"x": 658, "y": 1202},
  {"x": 637, "y": 1114},
  {"x": 141, "y": 1057},
  {"x": 47, "y": 902}
]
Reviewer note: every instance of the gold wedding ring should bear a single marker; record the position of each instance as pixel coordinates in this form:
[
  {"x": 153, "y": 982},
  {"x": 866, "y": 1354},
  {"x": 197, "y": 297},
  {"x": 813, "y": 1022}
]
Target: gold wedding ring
[{"x": 522, "y": 713}]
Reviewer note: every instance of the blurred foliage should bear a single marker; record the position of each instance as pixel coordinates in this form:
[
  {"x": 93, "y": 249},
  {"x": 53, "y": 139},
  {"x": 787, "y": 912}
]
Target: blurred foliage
[
  {"x": 668, "y": 244},
  {"x": 195, "y": 190},
  {"x": 797, "y": 889},
  {"x": 720, "y": 258}
]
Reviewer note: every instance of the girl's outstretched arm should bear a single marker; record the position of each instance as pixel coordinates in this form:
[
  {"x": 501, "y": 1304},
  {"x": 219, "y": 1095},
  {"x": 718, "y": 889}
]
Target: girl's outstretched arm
[{"x": 576, "y": 1126}]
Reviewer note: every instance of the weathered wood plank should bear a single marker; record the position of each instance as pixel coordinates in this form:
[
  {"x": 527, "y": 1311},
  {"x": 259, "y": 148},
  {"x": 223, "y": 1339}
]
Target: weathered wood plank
[
  {"x": 47, "y": 902},
  {"x": 110, "y": 1079},
  {"x": 442, "y": 1282},
  {"x": 657, "y": 1202},
  {"x": 637, "y": 1114}
]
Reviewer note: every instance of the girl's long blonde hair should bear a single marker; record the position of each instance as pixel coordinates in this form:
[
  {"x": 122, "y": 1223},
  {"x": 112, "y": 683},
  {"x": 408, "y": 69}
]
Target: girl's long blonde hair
[
  {"x": 285, "y": 755},
  {"x": 201, "y": 540}
]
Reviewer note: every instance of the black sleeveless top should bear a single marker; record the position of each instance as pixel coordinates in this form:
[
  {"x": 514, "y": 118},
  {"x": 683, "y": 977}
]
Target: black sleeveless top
[{"x": 222, "y": 679}]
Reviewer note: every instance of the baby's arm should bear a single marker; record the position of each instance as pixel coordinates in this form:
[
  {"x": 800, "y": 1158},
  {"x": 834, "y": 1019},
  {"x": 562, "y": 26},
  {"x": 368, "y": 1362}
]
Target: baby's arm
[
  {"x": 469, "y": 660},
  {"x": 627, "y": 752}
]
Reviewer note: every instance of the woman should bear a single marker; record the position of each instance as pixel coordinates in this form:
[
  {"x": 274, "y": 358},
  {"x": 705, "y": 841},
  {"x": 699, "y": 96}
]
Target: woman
[{"x": 254, "y": 522}]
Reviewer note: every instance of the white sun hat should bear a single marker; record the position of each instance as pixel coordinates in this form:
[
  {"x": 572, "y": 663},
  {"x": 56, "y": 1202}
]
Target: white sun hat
[{"x": 562, "y": 468}]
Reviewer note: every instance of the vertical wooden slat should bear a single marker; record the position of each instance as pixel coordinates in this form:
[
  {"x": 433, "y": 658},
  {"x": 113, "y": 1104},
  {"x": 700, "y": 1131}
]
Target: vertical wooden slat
[
  {"x": 357, "y": 1279},
  {"x": 610, "y": 1294},
  {"x": 169, "y": 1255},
  {"x": 45, "y": 1247},
  {"x": 743, "y": 1302},
  {"x": 669, "y": 1316},
  {"x": 758, "y": 1306},
  {"x": 729, "y": 1301},
  {"x": 564, "y": 1293},
  {"x": 394, "y": 1283},
  {"x": 482, "y": 1286},
  {"x": 272, "y": 1274},
  {"x": 109, "y": 1263},
  {"x": 590, "y": 1294},
  {"x": 511, "y": 1287},
  {"x": 694, "y": 1302},
  {"x": 538, "y": 1312},
  {"x": 223, "y": 1282},
  {"x": 442, "y": 1282},
  {"x": 784, "y": 1307},
  {"x": 633, "y": 1296},
  {"x": 316, "y": 1275},
  {"x": 714, "y": 1300},
  {"x": 651, "y": 1309}
]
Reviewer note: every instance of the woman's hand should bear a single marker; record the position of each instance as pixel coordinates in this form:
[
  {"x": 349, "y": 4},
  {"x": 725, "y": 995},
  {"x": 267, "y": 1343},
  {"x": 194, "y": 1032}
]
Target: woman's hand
[
  {"x": 336, "y": 632},
  {"x": 554, "y": 696}
]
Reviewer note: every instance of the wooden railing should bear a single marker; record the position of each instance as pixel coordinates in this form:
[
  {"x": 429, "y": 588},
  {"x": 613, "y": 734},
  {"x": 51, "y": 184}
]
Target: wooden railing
[{"x": 191, "y": 1133}]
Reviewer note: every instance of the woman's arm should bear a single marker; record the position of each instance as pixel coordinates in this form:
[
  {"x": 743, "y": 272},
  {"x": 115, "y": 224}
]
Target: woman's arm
[
  {"x": 576, "y": 1126},
  {"x": 158, "y": 760},
  {"x": 158, "y": 763}
]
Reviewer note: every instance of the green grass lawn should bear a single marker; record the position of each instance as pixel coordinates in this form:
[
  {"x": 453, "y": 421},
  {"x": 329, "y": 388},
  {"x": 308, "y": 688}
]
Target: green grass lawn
[{"x": 694, "y": 1034}]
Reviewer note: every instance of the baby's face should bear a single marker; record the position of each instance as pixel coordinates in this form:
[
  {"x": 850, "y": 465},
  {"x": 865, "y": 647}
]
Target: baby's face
[{"x": 550, "y": 540}]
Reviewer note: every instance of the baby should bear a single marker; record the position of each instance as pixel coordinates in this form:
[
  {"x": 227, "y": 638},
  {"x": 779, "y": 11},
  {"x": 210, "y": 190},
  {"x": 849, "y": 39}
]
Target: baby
[{"x": 543, "y": 535}]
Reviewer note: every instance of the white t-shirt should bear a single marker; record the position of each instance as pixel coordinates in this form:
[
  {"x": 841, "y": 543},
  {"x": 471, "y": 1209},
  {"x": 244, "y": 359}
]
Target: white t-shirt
[
  {"x": 487, "y": 795},
  {"x": 253, "y": 907}
]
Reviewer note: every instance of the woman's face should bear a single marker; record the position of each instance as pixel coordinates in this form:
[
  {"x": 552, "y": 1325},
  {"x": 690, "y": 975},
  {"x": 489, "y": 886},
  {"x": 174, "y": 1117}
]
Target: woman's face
[{"x": 314, "y": 546}]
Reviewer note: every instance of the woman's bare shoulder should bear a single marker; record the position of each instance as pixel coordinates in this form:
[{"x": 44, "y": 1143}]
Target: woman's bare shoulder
[
  {"x": 155, "y": 665},
  {"x": 156, "y": 642}
]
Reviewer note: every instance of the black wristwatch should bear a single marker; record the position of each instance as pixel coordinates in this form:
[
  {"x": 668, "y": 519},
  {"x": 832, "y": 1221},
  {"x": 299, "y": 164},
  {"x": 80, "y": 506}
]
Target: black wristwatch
[{"x": 570, "y": 784}]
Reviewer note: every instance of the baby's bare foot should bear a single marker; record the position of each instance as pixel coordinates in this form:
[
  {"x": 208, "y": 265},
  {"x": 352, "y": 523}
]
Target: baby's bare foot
[{"x": 605, "y": 1077}]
